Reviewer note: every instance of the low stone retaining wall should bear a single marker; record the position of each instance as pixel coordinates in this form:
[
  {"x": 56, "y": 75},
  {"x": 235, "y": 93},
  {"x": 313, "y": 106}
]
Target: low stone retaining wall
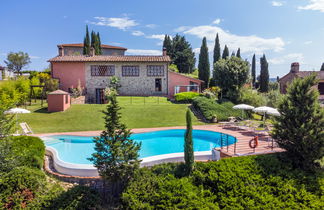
[{"x": 78, "y": 100}]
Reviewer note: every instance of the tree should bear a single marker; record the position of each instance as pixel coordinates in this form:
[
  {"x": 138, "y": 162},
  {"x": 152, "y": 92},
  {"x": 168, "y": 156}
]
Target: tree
[
  {"x": 86, "y": 43},
  {"x": 167, "y": 44},
  {"x": 299, "y": 129},
  {"x": 116, "y": 156},
  {"x": 253, "y": 71},
  {"x": 217, "y": 50},
  {"x": 225, "y": 52},
  {"x": 230, "y": 75},
  {"x": 16, "y": 61},
  {"x": 99, "y": 45},
  {"x": 7, "y": 122},
  {"x": 264, "y": 75},
  {"x": 203, "y": 66},
  {"x": 322, "y": 67},
  {"x": 184, "y": 57},
  {"x": 238, "y": 53},
  {"x": 188, "y": 146}
]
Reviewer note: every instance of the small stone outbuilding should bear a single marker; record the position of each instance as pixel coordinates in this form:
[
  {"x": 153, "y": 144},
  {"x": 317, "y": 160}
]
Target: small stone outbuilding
[{"x": 58, "y": 101}]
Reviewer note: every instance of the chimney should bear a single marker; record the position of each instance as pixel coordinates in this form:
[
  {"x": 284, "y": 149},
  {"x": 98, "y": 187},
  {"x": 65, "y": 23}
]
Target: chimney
[
  {"x": 164, "y": 51},
  {"x": 60, "y": 50},
  {"x": 92, "y": 51},
  {"x": 294, "y": 67}
]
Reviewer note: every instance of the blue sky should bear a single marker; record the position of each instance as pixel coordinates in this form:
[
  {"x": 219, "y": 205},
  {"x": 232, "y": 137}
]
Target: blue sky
[{"x": 286, "y": 31}]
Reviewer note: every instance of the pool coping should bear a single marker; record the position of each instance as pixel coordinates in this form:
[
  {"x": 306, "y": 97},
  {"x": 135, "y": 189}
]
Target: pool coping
[{"x": 88, "y": 170}]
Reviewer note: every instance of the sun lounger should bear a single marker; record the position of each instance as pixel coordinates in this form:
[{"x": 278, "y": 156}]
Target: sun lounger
[{"x": 26, "y": 130}]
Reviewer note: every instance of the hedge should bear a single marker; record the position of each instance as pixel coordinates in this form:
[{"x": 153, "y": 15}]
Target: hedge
[
  {"x": 210, "y": 108},
  {"x": 185, "y": 96},
  {"x": 251, "y": 182}
]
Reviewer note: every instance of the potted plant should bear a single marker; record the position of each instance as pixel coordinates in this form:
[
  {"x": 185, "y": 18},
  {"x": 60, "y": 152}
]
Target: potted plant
[{"x": 214, "y": 118}]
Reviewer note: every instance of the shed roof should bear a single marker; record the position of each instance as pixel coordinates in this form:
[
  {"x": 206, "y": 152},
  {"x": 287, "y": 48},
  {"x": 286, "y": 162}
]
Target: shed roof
[{"x": 58, "y": 92}]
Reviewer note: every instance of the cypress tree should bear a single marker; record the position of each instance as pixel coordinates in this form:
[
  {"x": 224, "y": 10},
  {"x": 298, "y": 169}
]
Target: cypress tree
[
  {"x": 264, "y": 75},
  {"x": 86, "y": 43},
  {"x": 188, "y": 146},
  {"x": 203, "y": 66},
  {"x": 93, "y": 39},
  {"x": 217, "y": 50},
  {"x": 238, "y": 53},
  {"x": 167, "y": 44},
  {"x": 322, "y": 67},
  {"x": 253, "y": 71},
  {"x": 99, "y": 44},
  {"x": 116, "y": 154},
  {"x": 183, "y": 56},
  {"x": 225, "y": 52},
  {"x": 299, "y": 129},
  {"x": 233, "y": 54}
]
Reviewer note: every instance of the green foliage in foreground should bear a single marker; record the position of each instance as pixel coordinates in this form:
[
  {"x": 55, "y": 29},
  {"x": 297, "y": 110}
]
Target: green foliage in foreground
[
  {"x": 300, "y": 128},
  {"x": 185, "y": 96},
  {"x": 210, "y": 108},
  {"x": 25, "y": 185},
  {"x": 252, "y": 182}
]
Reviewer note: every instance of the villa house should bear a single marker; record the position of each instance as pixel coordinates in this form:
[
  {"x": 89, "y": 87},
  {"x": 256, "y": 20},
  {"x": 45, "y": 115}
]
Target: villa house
[
  {"x": 296, "y": 73},
  {"x": 139, "y": 75}
]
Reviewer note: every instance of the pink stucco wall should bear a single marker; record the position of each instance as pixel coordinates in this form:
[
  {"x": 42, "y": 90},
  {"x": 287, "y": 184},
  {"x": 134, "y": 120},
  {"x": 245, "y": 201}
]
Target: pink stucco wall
[
  {"x": 69, "y": 74},
  {"x": 176, "y": 79},
  {"x": 58, "y": 103}
]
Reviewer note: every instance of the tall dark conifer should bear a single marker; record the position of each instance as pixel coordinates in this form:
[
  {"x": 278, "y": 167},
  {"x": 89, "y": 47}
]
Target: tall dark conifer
[
  {"x": 203, "y": 66},
  {"x": 217, "y": 50},
  {"x": 253, "y": 71},
  {"x": 188, "y": 145},
  {"x": 99, "y": 45},
  {"x": 264, "y": 75},
  {"x": 322, "y": 67},
  {"x": 238, "y": 53},
  {"x": 184, "y": 57},
  {"x": 167, "y": 44},
  {"x": 86, "y": 43},
  {"x": 225, "y": 52}
]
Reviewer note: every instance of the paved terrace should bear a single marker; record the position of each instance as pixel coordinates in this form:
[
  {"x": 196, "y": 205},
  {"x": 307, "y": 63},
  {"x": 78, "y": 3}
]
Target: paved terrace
[{"x": 242, "y": 145}]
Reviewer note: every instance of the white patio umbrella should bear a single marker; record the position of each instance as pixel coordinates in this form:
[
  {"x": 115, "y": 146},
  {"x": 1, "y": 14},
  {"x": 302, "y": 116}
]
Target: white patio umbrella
[
  {"x": 243, "y": 107},
  {"x": 17, "y": 111},
  {"x": 274, "y": 112},
  {"x": 264, "y": 110}
]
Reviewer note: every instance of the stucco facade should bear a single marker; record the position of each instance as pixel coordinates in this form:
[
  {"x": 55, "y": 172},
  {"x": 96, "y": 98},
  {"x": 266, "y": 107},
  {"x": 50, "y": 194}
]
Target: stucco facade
[{"x": 182, "y": 81}]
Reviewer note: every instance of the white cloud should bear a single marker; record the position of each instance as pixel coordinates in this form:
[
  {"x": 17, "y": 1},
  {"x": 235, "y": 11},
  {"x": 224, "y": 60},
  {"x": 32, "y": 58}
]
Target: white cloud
[
  {"x": 308, "y": 42},
  {"x": 34, "y": 57},
  {"x": 182, "y": 28},
  {"x": 138, "y": 33},
  {"x": 156, "y": 36},
  {"x": 313, "y": 5},
  {"x": 277, "y": 3},
  {"x": 289, "y": 58},
  {"x": 151, "y": 26},
  {"x": 143, "y": 52},
  {"x": 120, "y": 23},
  {"x": 217, "y": 21},
  {"x": 248, "y": 44}
]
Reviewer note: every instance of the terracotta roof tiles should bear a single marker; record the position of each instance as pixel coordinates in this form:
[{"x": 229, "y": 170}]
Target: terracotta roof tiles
[{"x": 111, "y": 58}]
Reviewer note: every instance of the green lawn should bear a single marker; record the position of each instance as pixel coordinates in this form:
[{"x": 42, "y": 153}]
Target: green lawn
[{"x": 137, "y": 112}]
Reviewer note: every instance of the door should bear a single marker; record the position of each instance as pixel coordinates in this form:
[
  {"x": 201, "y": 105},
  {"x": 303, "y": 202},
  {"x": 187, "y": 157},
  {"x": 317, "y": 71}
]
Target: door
[
  {"x": 100, "y": 96},
  {"x": 158, "y": 85}
]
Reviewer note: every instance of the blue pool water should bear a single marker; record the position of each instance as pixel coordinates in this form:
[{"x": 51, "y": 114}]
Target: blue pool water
[{"x": 76, "y": 149}]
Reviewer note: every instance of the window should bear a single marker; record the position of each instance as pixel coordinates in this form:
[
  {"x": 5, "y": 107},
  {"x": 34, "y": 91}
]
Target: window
[
  {"x": 155, "y": 70},
  {"x": 321, "y": 88},
  {"x": 102, "y": 70},
  {"x": 130, "y": 71}
]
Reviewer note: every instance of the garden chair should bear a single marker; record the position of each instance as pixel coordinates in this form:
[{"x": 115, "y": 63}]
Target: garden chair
[{"x": 26, "y": 130}]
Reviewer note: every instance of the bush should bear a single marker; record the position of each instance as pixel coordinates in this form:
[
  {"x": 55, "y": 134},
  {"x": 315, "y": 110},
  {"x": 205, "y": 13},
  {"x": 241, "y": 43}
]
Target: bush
[
  {"x": 251, "y": 182},
  {"x": 252, "y": 97},
  {"x": 212, "y": 92},
  {"x": 210, "y": 108},
  {"x": 185, "y": 96},
  {"x": 20, "y": 186},
  {"x": 29, "y": 151}
]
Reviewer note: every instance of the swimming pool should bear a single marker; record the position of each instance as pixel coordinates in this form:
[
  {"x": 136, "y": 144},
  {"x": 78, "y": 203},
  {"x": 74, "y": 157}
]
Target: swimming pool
[{"x": 76, "y": 149}]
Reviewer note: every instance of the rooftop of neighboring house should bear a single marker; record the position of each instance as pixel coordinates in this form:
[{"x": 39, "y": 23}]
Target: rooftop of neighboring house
[
  {"x": 296, "y": 71},
  {"x": 2, "y": 68}
]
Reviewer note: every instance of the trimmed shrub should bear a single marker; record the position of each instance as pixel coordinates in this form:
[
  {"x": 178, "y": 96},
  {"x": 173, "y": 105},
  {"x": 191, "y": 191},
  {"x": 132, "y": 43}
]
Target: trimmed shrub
[
  {"x": 185, "y": 96},
  {"x": 210, "y": 108},
  {"x": 29, "y": 151},
  {"x": 250, "y": 182}
]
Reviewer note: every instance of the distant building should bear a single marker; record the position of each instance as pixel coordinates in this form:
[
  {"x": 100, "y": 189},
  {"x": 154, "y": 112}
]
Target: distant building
[
  {"x": 140, "y": 75},
  {"x": 296, "y": 73}
]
